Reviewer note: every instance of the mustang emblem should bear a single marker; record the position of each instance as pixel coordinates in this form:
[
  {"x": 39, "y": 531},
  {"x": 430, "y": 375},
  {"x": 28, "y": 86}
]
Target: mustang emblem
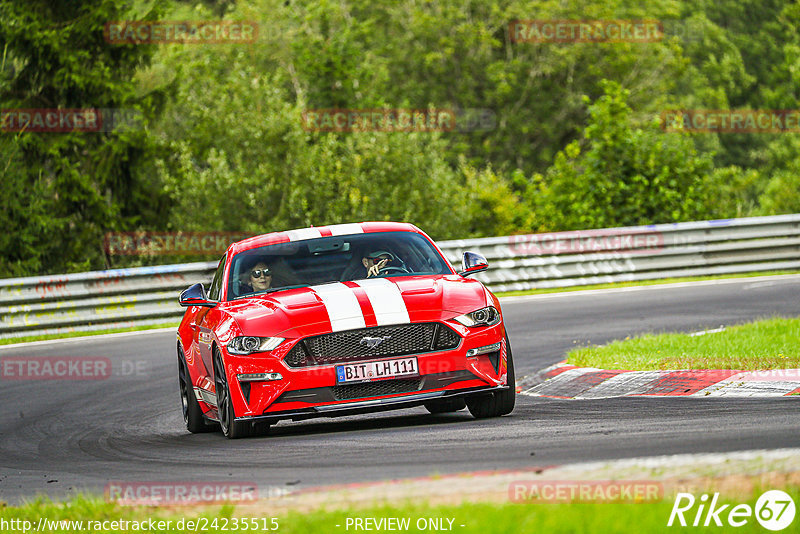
[{"x": 372, "y": 342}]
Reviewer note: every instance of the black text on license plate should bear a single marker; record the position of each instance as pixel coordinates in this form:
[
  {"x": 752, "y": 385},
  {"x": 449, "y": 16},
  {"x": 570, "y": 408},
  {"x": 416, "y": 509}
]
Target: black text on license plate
[{"x": 366, "y": 371}]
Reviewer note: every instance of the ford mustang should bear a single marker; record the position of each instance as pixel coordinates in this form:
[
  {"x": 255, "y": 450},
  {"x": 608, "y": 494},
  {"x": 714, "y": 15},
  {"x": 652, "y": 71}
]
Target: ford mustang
[{"x": 340, "y": 320}]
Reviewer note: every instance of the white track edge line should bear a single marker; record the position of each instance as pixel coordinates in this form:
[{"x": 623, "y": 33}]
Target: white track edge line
[
  {"x": 675, "y": 285},
  {"x": 99, "y": 337}
]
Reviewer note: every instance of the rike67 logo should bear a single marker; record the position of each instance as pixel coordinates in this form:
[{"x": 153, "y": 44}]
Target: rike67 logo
[{"x": 774, "y": 510}]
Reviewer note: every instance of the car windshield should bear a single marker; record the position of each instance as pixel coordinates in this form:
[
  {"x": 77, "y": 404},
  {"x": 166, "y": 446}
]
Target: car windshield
[{"x": 333, "y": 259}]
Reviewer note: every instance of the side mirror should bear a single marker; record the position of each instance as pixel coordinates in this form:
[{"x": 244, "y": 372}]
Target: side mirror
[
  {"x": 472, "y": 263},
  {"x": 196, "y": 296}
]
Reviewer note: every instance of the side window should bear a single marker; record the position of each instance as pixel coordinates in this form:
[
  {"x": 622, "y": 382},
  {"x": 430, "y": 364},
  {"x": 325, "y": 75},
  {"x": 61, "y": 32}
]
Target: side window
[{"x": 216, "y": 283}]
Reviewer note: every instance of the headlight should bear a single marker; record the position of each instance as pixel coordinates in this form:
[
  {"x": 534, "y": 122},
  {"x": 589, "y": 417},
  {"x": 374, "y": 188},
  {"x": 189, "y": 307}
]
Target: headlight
[
  {"x": 251, "y": 344},
  {"x": 487, "y": 316}
]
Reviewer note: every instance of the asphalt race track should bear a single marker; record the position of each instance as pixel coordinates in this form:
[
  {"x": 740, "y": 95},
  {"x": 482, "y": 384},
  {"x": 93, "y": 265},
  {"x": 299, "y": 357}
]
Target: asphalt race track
[{"x": 61, "y": 437}]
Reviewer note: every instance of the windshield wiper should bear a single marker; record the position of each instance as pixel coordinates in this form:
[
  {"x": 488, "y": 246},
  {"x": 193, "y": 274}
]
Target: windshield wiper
[
  {"x": 270, "y": 290},
  {"x": 274, "y": 289},
  {"x": 328, "y": 282}
]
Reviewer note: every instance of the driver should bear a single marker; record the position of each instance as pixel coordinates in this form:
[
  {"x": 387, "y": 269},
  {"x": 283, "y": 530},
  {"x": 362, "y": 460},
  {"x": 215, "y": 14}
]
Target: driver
[{"x": 375, "y": 261}]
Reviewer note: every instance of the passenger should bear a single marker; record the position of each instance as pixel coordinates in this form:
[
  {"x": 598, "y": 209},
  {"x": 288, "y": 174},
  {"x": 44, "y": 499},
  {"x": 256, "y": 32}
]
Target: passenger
[
  {"x": 266, "y": 274},
  {"x": 260, "y": 277}
]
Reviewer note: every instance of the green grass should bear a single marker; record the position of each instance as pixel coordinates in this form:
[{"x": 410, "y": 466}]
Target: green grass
[
  {"x": 28, "y": 339},
  {"x": 480, "y": 518},
  {"x": 660, "y": 281},
  {"x": 765, "y": 344}
]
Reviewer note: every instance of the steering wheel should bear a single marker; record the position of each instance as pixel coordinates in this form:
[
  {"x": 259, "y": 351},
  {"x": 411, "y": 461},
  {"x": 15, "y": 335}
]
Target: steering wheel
[{"x": 392, "y": 269}]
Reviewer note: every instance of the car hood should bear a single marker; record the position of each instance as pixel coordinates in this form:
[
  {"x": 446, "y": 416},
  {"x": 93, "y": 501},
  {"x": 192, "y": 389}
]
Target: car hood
[{"x": 337, "y": 306}]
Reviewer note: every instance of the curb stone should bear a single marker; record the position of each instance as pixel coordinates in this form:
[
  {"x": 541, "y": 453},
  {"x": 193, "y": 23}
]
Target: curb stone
[{"x": 564, "y": 381}]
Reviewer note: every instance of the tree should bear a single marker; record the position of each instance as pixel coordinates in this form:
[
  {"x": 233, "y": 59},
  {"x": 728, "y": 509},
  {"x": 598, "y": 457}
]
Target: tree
[
  {"x": 78, "y": 184},
  {"x": 621, "y": 175}
]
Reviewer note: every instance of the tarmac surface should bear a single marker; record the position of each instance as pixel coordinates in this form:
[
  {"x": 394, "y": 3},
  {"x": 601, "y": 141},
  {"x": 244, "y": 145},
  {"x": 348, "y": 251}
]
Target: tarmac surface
[{"x": 62, "y": 437}]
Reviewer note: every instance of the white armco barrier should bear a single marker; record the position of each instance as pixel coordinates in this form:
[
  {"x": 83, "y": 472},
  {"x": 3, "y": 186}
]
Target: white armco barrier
[
  {"x": 148, "y": 295},
  {"x": 582, "y": 257}
]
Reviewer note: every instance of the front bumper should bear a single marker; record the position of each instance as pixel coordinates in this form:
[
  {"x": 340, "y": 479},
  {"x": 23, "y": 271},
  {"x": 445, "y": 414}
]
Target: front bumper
[
  {"x": 313, "y": 391},
  {"x": 370, "y": 405}
]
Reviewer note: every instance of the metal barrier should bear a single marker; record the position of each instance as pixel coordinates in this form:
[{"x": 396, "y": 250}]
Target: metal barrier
[
  {"x": 636, "y": 253},
  {"x": 148, "y": 295},
  {"x": 96, "y": 300}
]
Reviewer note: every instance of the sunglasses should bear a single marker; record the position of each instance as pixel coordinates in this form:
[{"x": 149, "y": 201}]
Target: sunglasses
[{"x": 258, "y": 272}]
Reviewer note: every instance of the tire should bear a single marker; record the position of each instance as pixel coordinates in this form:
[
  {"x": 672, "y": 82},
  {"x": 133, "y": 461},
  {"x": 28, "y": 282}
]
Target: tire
[
  {"x": 446, "y": 405},
  {"x": 193, "y": 417},
  {"x": 231, "y": 428},
  {"x": 496, "y": 404}
]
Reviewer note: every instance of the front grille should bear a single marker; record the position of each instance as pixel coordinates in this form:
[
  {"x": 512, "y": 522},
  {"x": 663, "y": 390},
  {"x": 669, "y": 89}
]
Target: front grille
[
  {"x": 352, "y": 345},
  {"x": 376, "y": 389}
]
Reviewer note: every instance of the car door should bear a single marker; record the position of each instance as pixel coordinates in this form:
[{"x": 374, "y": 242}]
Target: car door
[{"x": 206, "y": 319}]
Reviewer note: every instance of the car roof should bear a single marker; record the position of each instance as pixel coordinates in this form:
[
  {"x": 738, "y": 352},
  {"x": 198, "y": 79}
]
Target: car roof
[{"x": 315, "y": 232}]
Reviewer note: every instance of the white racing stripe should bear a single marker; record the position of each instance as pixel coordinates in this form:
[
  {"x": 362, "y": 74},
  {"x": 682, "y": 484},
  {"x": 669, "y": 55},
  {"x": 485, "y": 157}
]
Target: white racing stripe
[
  {"x": 346, "y": 229},
  {"x": 343, "y": 308},
  {"x": 303, "y": 233},
  {"x": 386, "y": 300}
]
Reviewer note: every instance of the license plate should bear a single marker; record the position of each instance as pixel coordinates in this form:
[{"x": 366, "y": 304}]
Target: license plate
[{"x": 368, "y": 371}]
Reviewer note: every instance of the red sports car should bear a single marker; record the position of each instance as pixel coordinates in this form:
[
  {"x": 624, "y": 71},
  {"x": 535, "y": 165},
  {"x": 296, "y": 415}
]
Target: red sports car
[{"x": 340, "y": 320}]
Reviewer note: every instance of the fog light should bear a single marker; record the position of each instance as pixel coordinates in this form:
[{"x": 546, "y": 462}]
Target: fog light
[
  {"x": 494, "y": 347},
  {"x": 259, "y": 377}
]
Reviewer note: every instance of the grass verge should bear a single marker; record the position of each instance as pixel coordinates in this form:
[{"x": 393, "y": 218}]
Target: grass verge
[
  {"x": 87, "y": 514},
  {"x": 761, "y": 345},
  {"x": 28, "y": 339},
  {"x": 658, "y": 282}
]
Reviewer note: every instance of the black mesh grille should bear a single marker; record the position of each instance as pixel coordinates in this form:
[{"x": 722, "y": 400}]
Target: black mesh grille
[
  {"x": 376, "y": 389},
  {"x": 354, "y": 345},
  {"x": 446, "y": 338},
  {"x": 396, "y": 340},
  {"x": 298, "y": 356}
]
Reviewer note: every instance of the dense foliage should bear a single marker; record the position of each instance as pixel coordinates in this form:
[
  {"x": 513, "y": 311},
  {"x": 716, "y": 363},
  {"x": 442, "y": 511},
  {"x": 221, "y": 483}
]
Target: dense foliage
[{"x": 574, "y": 141}]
